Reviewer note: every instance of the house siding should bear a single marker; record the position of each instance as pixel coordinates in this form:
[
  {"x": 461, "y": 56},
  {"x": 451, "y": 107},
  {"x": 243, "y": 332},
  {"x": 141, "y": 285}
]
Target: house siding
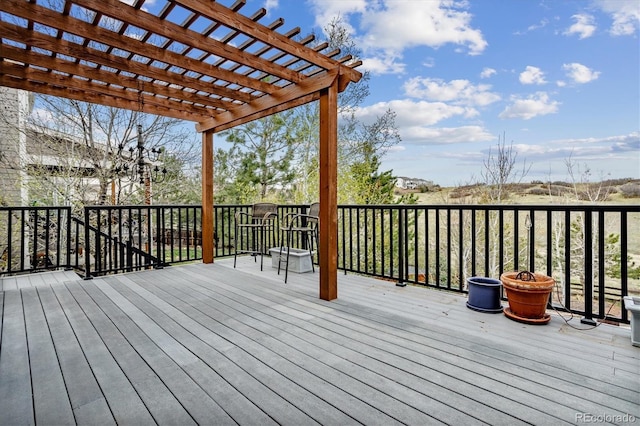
[{"x": 15, "y": 105}]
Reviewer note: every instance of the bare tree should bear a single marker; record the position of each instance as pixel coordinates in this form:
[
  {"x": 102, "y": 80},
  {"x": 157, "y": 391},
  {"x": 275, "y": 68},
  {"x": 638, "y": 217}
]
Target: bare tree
[
  {"x": 583, "y": 188},
  {"x": 75, "y": 152},
  {"x": 499, "y": 170}
]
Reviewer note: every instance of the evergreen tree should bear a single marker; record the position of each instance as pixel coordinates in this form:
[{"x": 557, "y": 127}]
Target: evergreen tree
[
  {"x": 262, "y": 154},
  {"x": 276, "y": 157}
]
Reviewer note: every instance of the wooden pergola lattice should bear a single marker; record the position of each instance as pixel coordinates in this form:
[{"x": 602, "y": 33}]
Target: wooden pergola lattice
[{"x": 196, "y": 60}]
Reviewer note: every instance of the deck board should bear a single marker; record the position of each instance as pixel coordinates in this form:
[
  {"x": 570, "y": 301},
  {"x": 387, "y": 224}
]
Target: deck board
[
  {"x": 251, "y": 359},
  {"x": 278, "y": 358},
  {"x": 8, "y": 283},
  {"x": 16, "y": 403},
  {"x": 346, "y": 347},
  {"x": 186, "y": 376},
  {"x": 50, "y": 399},
  {"x": 124, "y": 402},
  {"x": 87, "y": 401},
  {"x": 214, "y": 316},
  {"x": 1, "y": 314},
  {"x": 336, "y": 351},
  {"x": 147, "y": 383},
  {"x": 210, "y": 344}
]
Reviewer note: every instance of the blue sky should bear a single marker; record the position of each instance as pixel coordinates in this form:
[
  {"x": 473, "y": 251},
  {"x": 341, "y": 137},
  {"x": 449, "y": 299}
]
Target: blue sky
[{"x": 559, "y": 78}]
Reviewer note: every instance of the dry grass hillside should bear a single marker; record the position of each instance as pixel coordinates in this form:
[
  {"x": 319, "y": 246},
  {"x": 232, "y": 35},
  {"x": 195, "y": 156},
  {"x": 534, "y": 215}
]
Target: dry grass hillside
[
  {"x": 618, "y": 192},
  {"x": 625, "y": 192}
]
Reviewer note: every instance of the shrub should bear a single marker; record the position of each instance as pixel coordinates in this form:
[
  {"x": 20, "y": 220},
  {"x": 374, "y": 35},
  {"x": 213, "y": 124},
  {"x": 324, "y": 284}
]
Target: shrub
[
  {"x": 630, "y": 190},
  {"x": 538, "y": 191},
  {"x": 618, "y": 182},
  {"x": 554, "y": 190}
]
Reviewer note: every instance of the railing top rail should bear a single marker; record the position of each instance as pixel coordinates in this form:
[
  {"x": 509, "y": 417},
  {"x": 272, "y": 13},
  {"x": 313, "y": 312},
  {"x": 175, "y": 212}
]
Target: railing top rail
[
  {"x": 165, "y": 206},
  {"x": 142, "y": 206},
  {"x": 25, "y": 208},
  {"x": 521, "y": 207}
]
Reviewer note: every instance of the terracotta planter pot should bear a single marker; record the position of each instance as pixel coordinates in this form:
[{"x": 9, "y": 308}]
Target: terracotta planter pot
[{"x": 528, "y": 295}]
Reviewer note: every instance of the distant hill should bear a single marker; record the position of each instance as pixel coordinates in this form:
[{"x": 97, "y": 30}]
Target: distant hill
[{"x": 614, "y": 191}]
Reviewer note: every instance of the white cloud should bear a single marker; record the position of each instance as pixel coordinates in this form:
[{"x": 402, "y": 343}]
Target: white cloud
[
  {"x": 271, "y": 6},
  {"x": 386, "y": 65},
  {"x": 389, "y": 27},
  {"x": 532, "y": 75},
  {"x": 487, "y": 72},
  {"x": 397, "y": 25},
  {"x": 460, "y": 92},
  {"x": 414, "y": 121},
  {"x": 584, "y": 26},
  {"x": 579, "y": 73},
  {"x": 445, "y": 135},
  {"x": 149, "y": 4},
  {"x": 44, "y": 117},
  {"x": 624, "y": 13},
  {"x": 429, "y": 63},
  {"x": 530, "y": 107},
  {"x": 543, "y": 23},
  {"x": 410, "y": 113},
  {"x": 617, "y": 143},
  {"x": 326, "y": 11}
]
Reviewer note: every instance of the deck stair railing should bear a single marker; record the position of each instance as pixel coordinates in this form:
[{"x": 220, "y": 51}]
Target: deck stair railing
[{"x": 592, "y": 252}]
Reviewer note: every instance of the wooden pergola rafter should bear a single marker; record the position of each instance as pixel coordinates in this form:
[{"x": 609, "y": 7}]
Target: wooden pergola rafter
[{"x": 196, "y": 60}]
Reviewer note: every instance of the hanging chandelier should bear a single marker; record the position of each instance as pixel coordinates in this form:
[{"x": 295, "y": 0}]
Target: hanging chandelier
[{"x": 140, "y": 162}]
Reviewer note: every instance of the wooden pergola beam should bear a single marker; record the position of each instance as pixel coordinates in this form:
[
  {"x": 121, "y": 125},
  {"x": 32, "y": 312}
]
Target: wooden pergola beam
[
  {"x": 262, "y": 107},
  {"x": 117, "y": 93},
  {"x": 260, "y": 32},
  {"x": 67, "y": 48},
  {"x": 146, "y": 21},
  {"x": 233, "y": 71},
  {"x": 207, "y": 197},
  {"x": 328, "y": 216},
  {"x": 93, "y": 73},
  {"x": 72, "y": 25},
  {"x": 92, "y": 97}
]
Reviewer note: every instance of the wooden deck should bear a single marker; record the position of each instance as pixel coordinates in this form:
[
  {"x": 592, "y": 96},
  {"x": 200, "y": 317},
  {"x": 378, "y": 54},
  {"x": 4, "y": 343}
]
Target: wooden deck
[{"x": 209, "y": 344}]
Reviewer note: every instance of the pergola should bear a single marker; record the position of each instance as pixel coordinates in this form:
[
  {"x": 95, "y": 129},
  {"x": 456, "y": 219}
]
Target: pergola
[{"x": 195, "y": 60}]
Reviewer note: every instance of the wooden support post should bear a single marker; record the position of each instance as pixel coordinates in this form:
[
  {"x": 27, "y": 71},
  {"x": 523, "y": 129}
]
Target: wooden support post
[
  {"x": 329, "y": 192},
  {"x": 207, "y": 197}
]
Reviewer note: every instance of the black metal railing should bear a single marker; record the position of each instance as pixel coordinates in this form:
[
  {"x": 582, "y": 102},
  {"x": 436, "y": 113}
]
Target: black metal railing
[
  {"x": 224, "y": 216},
  {"x": 34, "y": 238},
  {"x": 128, "y": 238},
  {"x": 590, "y": 251}
]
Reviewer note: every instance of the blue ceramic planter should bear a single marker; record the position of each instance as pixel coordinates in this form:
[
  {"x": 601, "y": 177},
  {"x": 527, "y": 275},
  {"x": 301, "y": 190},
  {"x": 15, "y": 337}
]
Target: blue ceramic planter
[{"x": 484, "y": 294}]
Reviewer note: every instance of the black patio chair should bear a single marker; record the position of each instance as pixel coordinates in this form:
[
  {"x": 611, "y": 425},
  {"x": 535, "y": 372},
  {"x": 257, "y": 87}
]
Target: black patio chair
[
  {"x": 301, "y": 226},
  {"x": 253, "y": 229}
]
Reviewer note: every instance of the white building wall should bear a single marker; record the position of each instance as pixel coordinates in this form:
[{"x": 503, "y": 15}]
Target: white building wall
[{"x": 15, "y": 106}]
